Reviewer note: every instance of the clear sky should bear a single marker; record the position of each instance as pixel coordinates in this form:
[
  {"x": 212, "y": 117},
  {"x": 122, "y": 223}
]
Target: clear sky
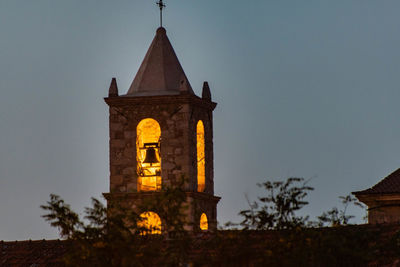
[{"x": 304, "y": 88}]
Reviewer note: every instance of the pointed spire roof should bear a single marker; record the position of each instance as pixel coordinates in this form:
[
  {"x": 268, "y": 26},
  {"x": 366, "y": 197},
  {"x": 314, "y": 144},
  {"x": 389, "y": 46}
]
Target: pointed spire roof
[
  {"x": 206, "y": 93},
  {"x": 113, "y": 90},
  {"x": 160, "y": 72}
]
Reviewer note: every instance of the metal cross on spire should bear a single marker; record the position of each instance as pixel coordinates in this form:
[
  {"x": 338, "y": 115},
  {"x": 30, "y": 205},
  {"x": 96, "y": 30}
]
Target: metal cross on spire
[{"x": 161, "y": 5}]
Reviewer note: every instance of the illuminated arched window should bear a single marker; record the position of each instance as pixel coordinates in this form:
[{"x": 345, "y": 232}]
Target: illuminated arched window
[
  {"x": 203, "y": 222},
  {"x": 148, "y": 155},
  {"x": 151, "y": 222},
  {"x": 201, "y": 166}
]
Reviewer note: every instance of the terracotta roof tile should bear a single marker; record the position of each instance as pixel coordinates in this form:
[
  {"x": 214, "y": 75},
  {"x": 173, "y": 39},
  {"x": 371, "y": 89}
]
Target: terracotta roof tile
[
  {"x": 40, "y": 253},
  {"x": 389, "y": 185}
]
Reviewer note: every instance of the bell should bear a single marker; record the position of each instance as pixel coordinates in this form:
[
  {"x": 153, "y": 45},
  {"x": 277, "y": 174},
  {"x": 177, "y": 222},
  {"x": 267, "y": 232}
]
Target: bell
[{"x": 151, "y": 156}]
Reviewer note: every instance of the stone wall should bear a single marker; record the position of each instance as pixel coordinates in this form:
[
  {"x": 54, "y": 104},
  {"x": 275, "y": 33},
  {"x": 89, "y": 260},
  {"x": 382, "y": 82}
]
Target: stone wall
[{"x": 177, "y": 117}]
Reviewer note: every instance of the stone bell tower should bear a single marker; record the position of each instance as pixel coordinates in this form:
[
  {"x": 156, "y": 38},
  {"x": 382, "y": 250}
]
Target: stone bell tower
[{"x": 160, "y": 131}]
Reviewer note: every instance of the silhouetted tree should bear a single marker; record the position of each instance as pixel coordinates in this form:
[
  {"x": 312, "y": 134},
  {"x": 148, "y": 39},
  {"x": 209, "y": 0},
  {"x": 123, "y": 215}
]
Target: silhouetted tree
[
  {"x": 118, "y": 236},
  {"x": 278, "y": 207},
  {"x": 270, "y": 234}
]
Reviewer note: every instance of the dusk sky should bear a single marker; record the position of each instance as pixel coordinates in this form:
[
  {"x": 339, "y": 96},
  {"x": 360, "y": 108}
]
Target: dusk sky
[{"x": 304, "y": 88}]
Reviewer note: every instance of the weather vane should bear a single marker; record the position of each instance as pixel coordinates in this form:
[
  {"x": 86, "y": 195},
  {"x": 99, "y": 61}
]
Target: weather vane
[{"x": 161, "y": 5}]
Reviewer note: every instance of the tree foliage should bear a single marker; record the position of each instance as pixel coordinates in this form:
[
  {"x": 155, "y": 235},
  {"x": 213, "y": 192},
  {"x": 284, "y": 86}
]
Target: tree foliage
[
  {"x": 272, "y": 233},
  {"x": 117, "y": 237},
  {"x": 336, "y": 217},
  {"x": 277, "y": 209},
  {"x": 284, "y": 238}
]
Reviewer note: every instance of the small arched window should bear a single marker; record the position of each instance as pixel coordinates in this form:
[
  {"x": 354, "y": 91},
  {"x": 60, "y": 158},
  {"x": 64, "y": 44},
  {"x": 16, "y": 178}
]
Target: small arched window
[
  {"x": 201, "y": 162},
  {"x": 150, "y": 223},
  {"x": 148, "y": 155},
  {"x": 203, "y": 222}
]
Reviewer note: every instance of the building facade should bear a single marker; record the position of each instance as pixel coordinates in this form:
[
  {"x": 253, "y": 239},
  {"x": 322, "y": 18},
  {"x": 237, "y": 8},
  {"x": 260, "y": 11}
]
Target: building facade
[{"x": 383, "y": 200}]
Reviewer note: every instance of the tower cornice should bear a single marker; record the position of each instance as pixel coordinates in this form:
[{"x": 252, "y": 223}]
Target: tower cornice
[
  {"x": 124, "y": 101},
  {"x": 143, "y": 195}
]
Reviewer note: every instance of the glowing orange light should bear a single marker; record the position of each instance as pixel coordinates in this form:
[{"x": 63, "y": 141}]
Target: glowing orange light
[
  {"x": 151, "y": 222},
  {"x": 203, "y": 222},
  {"x": 149, "y": 174},
  {"x": 201, "y": 166}
]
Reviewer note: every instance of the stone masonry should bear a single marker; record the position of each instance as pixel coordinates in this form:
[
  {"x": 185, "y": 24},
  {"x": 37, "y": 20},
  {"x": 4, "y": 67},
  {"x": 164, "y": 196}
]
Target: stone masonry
[{"x": 155, "y": 94}]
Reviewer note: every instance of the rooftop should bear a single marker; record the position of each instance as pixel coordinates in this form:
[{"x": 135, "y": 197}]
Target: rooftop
[
  {"x": 160, "y": 72},
  {"x": 32, "y": 253},
  {"x": 389, "y": 185}
]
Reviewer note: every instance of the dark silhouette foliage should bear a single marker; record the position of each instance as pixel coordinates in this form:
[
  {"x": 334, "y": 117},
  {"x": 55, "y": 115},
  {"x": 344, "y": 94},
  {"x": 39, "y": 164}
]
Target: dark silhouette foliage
[
  {"x": 278, "y": 207},
  {"x": 115, "y": 237},
  {"x": 271, "y": 234}
]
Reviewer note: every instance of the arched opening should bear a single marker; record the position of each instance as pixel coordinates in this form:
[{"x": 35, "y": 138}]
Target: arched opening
[
  {"x": 203, "y": 222},
  {"x": 150, "y": 223},
  {"x": 148, "y": 155},
  {"x": 201, "y": 162}
]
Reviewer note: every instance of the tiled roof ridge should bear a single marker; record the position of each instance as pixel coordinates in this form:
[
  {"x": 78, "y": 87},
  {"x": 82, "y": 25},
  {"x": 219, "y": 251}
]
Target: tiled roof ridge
[
  {"x": 32, "y": 241},
  {"x": 33, "y": 252}
]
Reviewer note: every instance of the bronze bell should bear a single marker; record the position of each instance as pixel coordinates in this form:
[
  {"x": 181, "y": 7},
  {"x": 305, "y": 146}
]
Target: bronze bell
[{"x": 150, "y": 156}]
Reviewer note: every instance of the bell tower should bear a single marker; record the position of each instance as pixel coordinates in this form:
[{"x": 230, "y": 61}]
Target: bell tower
[{"x": 160, "y": 131}]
